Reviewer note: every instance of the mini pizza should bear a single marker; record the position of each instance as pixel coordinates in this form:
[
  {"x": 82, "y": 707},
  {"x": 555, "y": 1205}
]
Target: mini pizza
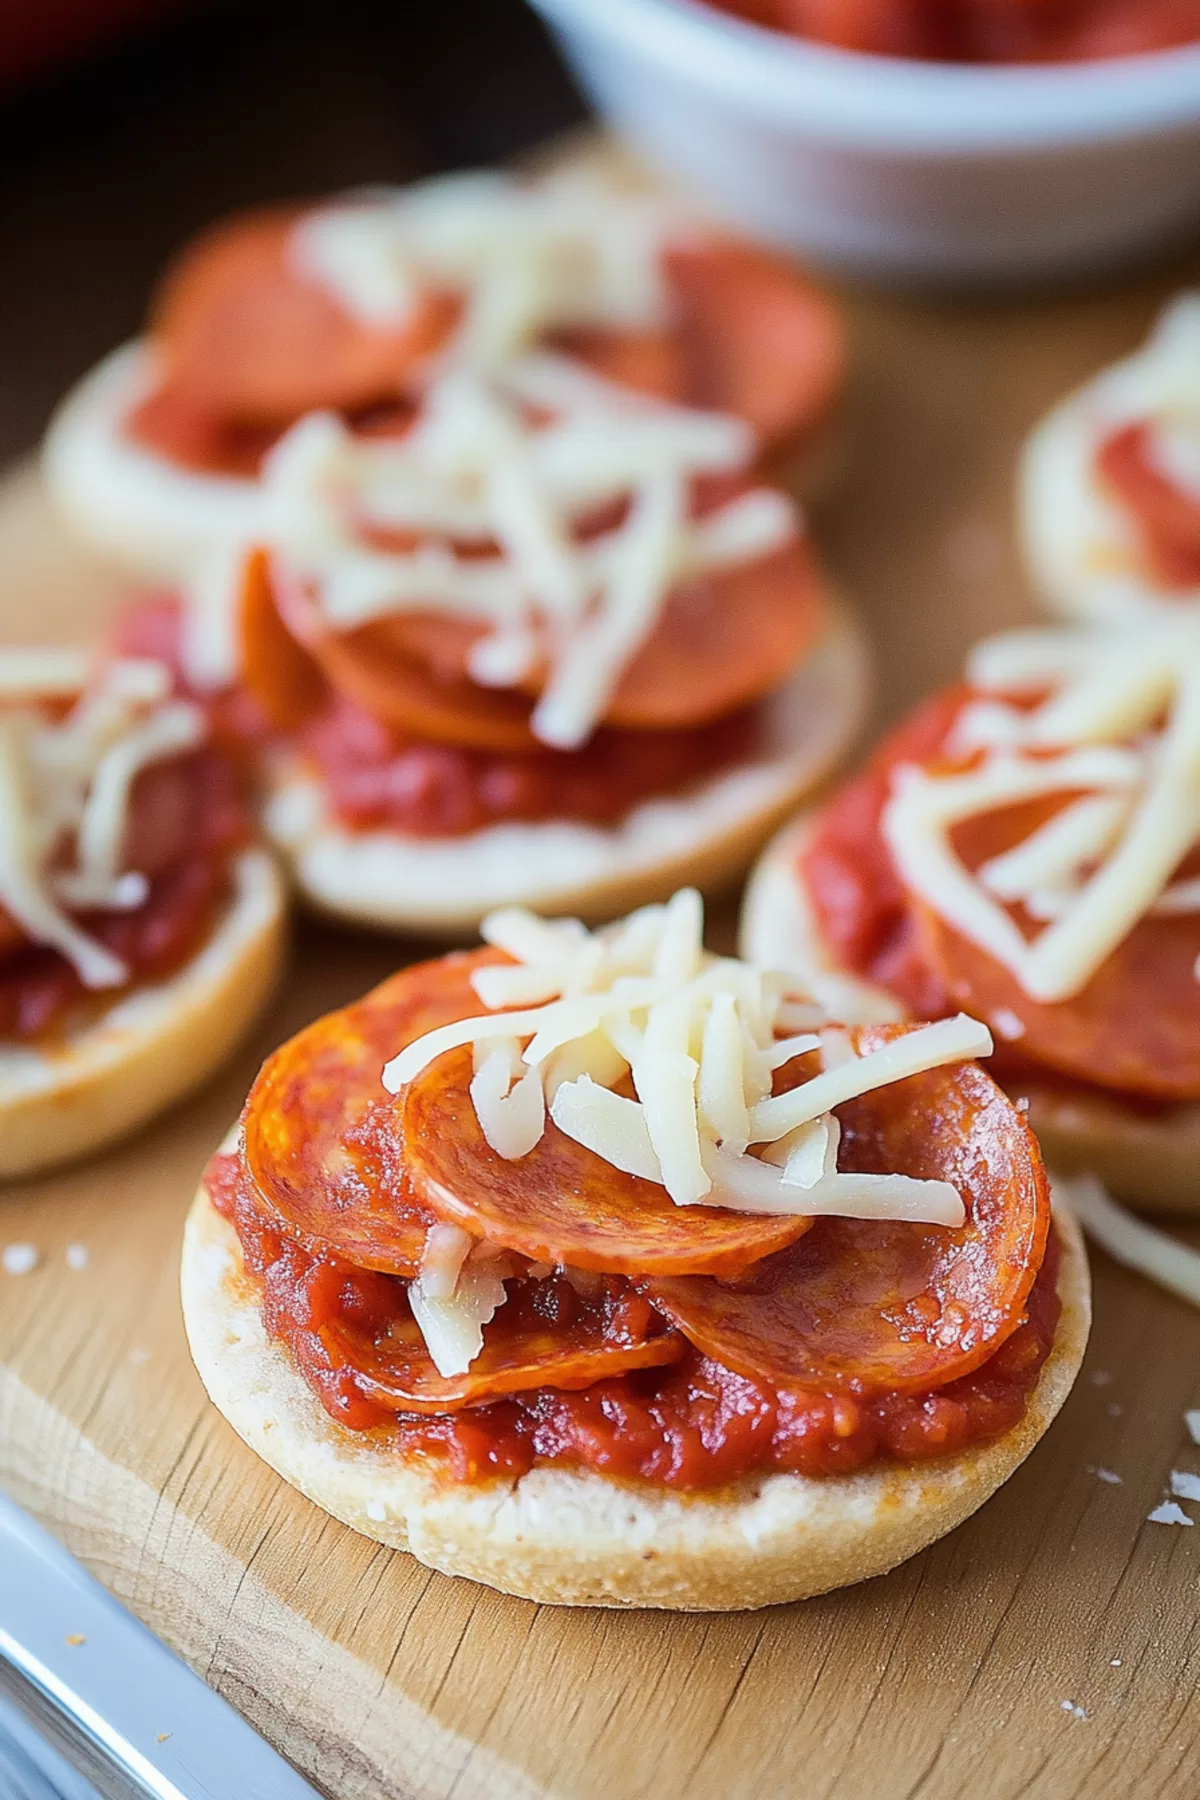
[
  {"x": 1026, "y": 846},
  {"x": 141, "y": 930},
  {"x": 556, "y": 644},
  {"x": 606, "y": 1271},
  {"x": 1109, "y": 489},
  {"x": 345, "y": 307}
]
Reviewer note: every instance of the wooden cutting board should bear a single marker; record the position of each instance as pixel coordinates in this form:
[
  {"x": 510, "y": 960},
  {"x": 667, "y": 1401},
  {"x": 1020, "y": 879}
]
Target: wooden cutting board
[{"x": 1048, "y": 1649}]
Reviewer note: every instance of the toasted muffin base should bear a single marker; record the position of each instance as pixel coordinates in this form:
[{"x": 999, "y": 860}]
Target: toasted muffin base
[
  {"x": 705, "y": 835},
  {"x": 153, "y": 1044},
  {"x": 573, "y": 1537},
  {"x": 1150, "y": 1159}
]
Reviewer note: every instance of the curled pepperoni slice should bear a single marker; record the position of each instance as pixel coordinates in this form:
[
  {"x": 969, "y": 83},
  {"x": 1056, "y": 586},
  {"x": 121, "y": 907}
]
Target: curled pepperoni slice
[
  {"x": 562, "y": 1203},
  {"x": 543, "y": 1336},
  {"x": 1135, "y": 1026},
  {"x": 244, "y": 336},
  {"x": 759, "y": 340},
  {"x": 276, "y": 669},
  {"x": 869, "y": 1307},
  {"x": 322, "y": 1142}
]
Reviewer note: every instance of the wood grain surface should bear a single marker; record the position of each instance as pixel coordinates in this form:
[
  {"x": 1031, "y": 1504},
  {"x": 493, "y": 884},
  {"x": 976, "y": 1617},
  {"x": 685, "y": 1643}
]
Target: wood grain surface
[{"x": 1048, "y": 1649}]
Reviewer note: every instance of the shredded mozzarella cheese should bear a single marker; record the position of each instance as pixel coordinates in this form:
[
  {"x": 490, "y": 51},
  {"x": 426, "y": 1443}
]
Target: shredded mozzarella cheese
[
  {"x": 452, "y": 1326},
  {"x": 1130, "y": 1240},
  {"x": 699, "y": 1036},
  {"x": 65, "y": 789},
  {"x": 1107, "y": 858}
]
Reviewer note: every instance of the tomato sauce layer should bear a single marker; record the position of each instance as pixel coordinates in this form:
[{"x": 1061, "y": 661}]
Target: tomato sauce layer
[
  {"x": 187, "y": 818},
  {"x": 692, "y": 1425},
  {"x": 378, "y": 779},
  {"x": 991, "y": 31}
]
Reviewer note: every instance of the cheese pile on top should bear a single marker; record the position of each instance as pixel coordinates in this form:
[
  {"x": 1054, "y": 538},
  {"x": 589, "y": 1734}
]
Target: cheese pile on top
[
  {"x": 1111, "y": 717},
  {"x": 700, "y": 1037},
  {"x": 494, "y": 481},
  {"x": 527, "y": 257},
  {"x": 72, "y": 745}
]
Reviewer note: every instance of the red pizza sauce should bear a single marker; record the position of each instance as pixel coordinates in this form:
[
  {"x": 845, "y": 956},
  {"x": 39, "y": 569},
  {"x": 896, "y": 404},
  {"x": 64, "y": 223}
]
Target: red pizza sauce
[
  {"x": 987, "y": 31},
  {"x": 1167, "y": 517},
  {"x": 379, "y": 779},
  {"x": 692, "y": 1425}
]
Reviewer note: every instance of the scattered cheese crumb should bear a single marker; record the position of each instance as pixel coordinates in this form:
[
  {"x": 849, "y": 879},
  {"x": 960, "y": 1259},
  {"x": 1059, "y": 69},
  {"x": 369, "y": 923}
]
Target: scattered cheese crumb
[
  {"x": 1192, "y": 1421},
  {"x": 75, "y": 1638},
  {"x": 77, "y": 1256},
  {"x": 1073, "y": 1707},
  {"x": 1106, "y": 1475},
  {"x": 1185, "y": 1485},
  {"x": 1115, "y": 1663},
  {"x": 1023, "y": 1104},
  {"x": 376, "y": 1510},
  {"x": 20, "y": 1259},
  {"x": 1100, "y": 1377},
  {"x": 1006, "y": 1024},
  {"x": 1168, "y": 1514}
]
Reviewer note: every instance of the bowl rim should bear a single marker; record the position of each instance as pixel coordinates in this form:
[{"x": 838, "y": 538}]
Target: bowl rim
[{"x": 817, "y": 89}]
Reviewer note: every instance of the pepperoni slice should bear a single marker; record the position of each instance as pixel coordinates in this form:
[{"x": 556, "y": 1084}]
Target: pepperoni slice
[
  {"x": 276, "y": 669},
  {"x": 722, "y": 641},
  {"x": 1136, "y": 1025},
  {"x": 322, "y": 1139},
  {"x": 243, "y": 335},
  {"x": 1168, "y": 517},
  {"x": 373, "y": 667},
  {"x": 562, "y": 1203},
  {"x": 869, "y": 1307},
  {"x": 759, "y": 339},
  {"x": 542, "y": 1337}
]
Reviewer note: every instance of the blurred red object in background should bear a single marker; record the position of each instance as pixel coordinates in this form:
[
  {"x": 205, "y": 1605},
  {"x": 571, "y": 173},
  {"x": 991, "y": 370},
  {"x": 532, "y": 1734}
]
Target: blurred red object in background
[{"x": 35, "y": 35}]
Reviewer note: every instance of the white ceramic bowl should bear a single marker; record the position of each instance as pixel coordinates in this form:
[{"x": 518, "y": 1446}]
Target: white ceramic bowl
[{"x": 892, "y": 167}]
